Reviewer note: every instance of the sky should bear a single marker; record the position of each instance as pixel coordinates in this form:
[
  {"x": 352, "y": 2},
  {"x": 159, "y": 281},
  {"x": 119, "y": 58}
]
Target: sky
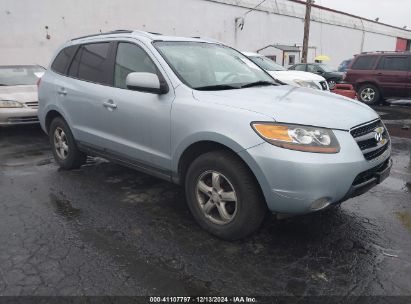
[{"x": 393, "y": 12}]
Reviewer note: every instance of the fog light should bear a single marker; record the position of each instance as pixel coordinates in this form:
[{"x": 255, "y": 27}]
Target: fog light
[{"x": 320, "y": 203}]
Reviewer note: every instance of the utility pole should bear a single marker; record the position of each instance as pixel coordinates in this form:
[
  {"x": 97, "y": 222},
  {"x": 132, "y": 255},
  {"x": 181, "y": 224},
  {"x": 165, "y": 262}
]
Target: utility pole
[{"x": 306, "y": 30}]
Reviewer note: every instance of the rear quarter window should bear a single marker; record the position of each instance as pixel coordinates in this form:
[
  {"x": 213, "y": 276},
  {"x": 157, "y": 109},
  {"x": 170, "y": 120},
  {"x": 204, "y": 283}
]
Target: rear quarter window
[
  {"x": 364, "y": 63},
  {"x": 63, "y": 59}
]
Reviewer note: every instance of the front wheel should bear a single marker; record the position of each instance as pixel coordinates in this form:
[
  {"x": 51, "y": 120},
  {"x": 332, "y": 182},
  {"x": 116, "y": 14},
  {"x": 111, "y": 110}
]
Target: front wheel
[
  {"x": 369, "y": 94},
  {"x": 223, "y": 195},
  {"x": 332, "y": 83}
]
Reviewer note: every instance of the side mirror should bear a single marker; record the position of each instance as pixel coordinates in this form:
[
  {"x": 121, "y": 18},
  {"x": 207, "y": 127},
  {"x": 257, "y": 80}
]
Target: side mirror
[
  {"x": 146, "y": 82},
  {"x": 320, "y": 72}
]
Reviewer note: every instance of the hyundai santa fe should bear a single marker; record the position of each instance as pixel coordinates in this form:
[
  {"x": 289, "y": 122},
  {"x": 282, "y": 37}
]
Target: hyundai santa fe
[{"x": 201, "y": 114}]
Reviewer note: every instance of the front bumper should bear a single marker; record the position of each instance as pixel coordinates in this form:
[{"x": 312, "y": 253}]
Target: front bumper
[
  {"x": 293, "y": 181},
  {"x": 369, "y": 179},
  {"x": 18, "y": 116}
]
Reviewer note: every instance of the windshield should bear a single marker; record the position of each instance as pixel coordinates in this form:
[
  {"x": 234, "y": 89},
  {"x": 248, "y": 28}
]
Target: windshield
[
  {"x": 267, "y": 64},
  {"x": 207, "y": 66},
  {"x": 20, "y": 75},
  {"x": 327, "y": 68}
]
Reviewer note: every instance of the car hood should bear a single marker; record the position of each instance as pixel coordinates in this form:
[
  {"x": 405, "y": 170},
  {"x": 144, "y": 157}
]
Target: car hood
[
  {"x": 21, "y": 93},
  {"x": 295, "y": 75},
  {"x": 296, "y": 105}
]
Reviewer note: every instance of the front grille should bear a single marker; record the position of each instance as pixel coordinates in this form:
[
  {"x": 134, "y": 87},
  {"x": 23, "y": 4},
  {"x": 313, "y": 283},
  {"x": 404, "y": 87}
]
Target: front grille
[
  {"x": 323, "y": 85},
  {"x": 368, "y": 141},
  {"x": 23, "y": 119},
  {"x": 32, "y": 104},
  {"x": 362, "y": 130}
]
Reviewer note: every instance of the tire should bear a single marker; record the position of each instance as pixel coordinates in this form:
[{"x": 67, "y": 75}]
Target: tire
[
  {"x": 65, "y": 151},
  {"x": 369, "y": 94},
  {"x": 332, "y": 83},
  {"x": 241, "y": 217}
]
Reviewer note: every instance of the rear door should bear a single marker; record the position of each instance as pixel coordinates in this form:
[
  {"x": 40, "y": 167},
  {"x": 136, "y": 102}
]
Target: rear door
[
  {"x": 81, "y": 97},
  {"x": 362, "y": 70},
  {"x": 392, "y": 75}
]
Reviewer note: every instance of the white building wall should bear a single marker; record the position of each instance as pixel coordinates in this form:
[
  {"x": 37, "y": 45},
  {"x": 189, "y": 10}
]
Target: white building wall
[{"x": 23, "y": 34}]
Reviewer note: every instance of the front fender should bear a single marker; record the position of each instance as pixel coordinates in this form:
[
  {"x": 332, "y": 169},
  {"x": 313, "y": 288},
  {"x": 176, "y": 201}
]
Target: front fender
[{"x": 207, "y": 136}]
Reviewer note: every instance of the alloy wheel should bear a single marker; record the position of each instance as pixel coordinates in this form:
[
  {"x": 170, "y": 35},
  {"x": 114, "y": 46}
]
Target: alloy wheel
[
  {"x": 61, "y": 143},
  {"x": 216, "y": 197},
  {"x": 367, "y": 95}
]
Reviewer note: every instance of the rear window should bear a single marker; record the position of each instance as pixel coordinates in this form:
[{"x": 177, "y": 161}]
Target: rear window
[
  {"x": 364, "y": 63},
  {"x": 62, "y": 60},
  {"x": 20, "y": 75},
  {"x": 394, "y": 63},
  {"x": 91, "y": 63}
]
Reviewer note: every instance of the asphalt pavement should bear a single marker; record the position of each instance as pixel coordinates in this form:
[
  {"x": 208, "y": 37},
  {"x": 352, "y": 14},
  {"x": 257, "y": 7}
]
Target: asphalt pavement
[{"x": 107, "y": 230}]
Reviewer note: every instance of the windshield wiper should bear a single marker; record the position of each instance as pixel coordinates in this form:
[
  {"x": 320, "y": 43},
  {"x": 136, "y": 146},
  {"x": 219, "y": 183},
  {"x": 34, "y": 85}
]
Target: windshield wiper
[
  {"x": 258, "y": 83},
  {"x": 217, "y": 87}
]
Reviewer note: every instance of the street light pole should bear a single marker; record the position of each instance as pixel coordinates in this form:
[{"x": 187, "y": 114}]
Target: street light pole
[{"x": 306, "y": 30}]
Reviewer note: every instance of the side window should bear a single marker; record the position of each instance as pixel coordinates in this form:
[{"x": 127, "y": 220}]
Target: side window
[
  {"x": 312, "y": 68},
  {"x": 59, "y": 64},
  {"x": 364, "y": 63},
  {"x": 73, "y": 69},
  {"x": 300, "y": 67},
  {"x": 91, "y": 63},
  {"x": 395, "y": 63},
  {"x": 131, "y": 58}
]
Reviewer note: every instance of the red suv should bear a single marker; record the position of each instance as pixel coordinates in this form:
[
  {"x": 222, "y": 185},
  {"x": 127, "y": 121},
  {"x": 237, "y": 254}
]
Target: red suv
[{"x": 380, "y": 75}]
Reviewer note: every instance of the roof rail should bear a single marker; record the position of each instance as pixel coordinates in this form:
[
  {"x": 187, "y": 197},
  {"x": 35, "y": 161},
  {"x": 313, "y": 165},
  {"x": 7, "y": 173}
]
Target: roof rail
[
  {"x": 207, "y": 39},
  {"x": 385, "y": 52},
  {"x": 154, "y": 33},
  {"x": 106, "y": 33}
]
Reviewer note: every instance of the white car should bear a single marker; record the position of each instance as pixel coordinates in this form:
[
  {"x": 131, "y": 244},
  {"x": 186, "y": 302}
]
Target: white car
[
  {"x": 18, "y": 94},
  {"x": 296, "y": 78}
]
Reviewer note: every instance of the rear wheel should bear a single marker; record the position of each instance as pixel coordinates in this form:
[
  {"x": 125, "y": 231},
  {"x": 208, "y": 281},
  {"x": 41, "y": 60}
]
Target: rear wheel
[
  {"x": 223, "y": 196},
  {"x": 369, "y": 94},
  {"x": 64, "y": 147}
]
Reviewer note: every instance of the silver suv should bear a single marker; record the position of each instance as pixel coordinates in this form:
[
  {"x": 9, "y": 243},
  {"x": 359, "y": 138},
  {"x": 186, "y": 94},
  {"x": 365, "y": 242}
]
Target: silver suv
[{"x": 202, "y": 115}]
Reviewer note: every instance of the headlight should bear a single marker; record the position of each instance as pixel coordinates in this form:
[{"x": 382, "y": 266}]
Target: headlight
[
  {"x": 296, "y": 137},
  {"x": 10, "y": 104},
  {"x": 306, "y": 84}
]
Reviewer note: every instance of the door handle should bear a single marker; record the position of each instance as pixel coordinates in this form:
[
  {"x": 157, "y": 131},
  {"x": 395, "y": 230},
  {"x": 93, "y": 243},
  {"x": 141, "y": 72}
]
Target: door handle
[
  {"x": 62, "y": 91},
  {"x": 379, "y": 74},
  {"x": 110, "y": 104}
]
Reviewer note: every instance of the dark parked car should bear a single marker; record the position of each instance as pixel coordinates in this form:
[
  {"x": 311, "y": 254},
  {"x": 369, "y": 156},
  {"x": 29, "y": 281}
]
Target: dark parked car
[
  {"x": 331, "y": 75},
  {"x": 344, "y": 65},
  {"x": 380, "y": 75}
]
